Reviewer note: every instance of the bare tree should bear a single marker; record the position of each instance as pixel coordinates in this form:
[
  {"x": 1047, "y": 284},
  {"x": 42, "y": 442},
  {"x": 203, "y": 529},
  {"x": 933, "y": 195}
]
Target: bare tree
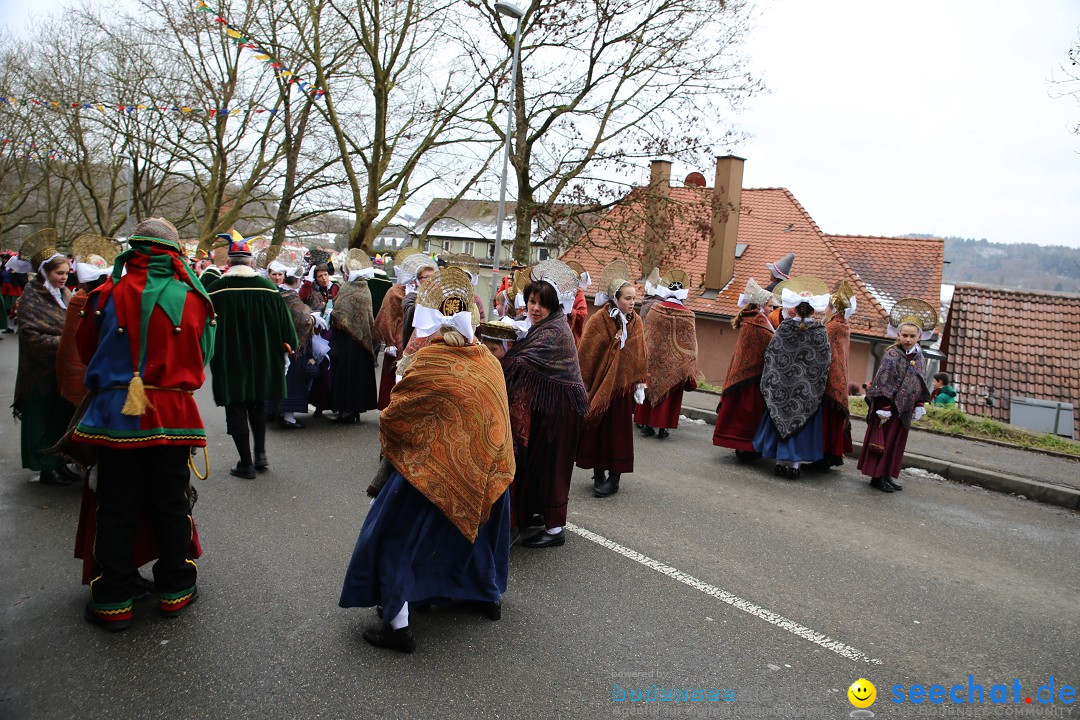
[{"x": 603, "y": 84}]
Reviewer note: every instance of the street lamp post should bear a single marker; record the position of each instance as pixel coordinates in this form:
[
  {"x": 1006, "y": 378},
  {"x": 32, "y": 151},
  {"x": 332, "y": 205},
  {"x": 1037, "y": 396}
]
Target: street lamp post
[{"x": 513, "y": 11}]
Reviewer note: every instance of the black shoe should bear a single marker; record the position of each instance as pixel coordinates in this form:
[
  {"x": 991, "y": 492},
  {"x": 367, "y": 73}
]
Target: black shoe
[
  {"x": 111, "y": 625},
  {"x": 285, "y": 424},
  {"x": 243, "y": 471},
  {"x": 261, "y": 463},
  {"x": 647, "y": 431},
  {"x": 350, "y": 419},
  {"x": 598, "y": 478},
  {"x": 384, "y": 636},
  {"x": 794, "y": 472},
  {"x": 143, "y": 588},
  {"x": 51, "y": 477},
  {"x": 893, "y": 484},
  {"x": 881, "y": 484},
  {"x": 493, "y": 609},
  {"x": 174, "y": 609},
  {"x": 746, "y": 455},
  {"x": 605, "y": 489},
  {"x": 821, "y": 466},
  {"x": 780, "y": 470},
  {"x": 663, "y": 433},
  {"x": 544, "y": 539}
]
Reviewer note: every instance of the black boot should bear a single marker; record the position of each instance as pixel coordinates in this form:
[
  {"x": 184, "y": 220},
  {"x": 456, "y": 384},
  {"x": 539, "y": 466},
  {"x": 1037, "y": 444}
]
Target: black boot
[
  {"x": 245, "y": 468},
  {"x": 598, "y": 478},
  {"x": 384, "y": 636},
  {"x": 609, "y": 487},
  {"x": 647, "y": 431},
  {"x": 663, "y": 433},
  {"x": 893, "y": 484}
]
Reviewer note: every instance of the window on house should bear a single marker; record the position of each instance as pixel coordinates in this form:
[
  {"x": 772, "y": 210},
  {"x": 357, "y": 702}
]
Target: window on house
[
  {"x": 543, "y": 254},
  {"x": 491, "y": 251},
  {"x": 469, "y": 247},
  {"x": 446, "y": 245}
]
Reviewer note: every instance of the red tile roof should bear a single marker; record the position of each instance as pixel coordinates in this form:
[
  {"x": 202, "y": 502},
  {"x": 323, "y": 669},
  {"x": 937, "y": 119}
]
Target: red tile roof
[
  {"x": 895, "y": 268},
  {"x": 772, "y": 223},
  {"x": 1008, "y": 343}
]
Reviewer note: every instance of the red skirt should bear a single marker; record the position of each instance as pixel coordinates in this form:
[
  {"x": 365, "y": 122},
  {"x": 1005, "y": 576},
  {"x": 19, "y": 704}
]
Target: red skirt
[
  {"x": 145, "y": 547},
  {"x": 837, "y": 430},
  {"x": 609, "y": 443},
  {"x": 888, "y": 462},
  {"x": 387, "y": 380},
  {"x": 738, "y": 417},
  {"x": 666, "y": 412}
]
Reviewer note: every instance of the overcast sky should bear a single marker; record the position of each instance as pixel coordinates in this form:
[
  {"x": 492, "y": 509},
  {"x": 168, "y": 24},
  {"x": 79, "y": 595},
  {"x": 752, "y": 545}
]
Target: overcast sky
[{"x": 927, "y": 116}]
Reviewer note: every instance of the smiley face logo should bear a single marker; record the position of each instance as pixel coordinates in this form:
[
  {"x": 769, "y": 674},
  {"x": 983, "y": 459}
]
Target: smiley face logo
[{"x": 862, "y": 693}]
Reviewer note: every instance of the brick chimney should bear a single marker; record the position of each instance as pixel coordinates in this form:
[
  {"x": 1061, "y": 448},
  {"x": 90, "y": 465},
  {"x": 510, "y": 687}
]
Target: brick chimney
[
  {"x": 657, "y": 215},
  {"x": 727, "y": 201}
]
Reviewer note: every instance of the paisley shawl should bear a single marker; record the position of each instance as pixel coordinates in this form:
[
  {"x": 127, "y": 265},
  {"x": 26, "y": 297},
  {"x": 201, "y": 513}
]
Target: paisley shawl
[
  {"x": 301, "y": 317},
  {"x": 755, "y": 334},
  {"x": 447, "y": 430},
  {"x": 794, "y": 375},
  {"x": 901, "y": 379},
  {"x": 352, "y": 312},
  {"x": 607, "y": 370},
  {"x": 41, "y": 323},
  {"x": 671, "y": 349},
  {"x": 389, "y": 321},
  {"x": 836, "y": 390}
]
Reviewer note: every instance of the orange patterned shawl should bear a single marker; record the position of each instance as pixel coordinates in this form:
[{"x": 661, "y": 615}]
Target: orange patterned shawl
[
  {"x": 447, "y": 430},
  {"x": 607, "y": 370},
  {"x": 389, "y": 321},
  {"x": 671, "y": 341},
  {"x": 836, "y": 390},
  {"x": 755, "y": 334}
]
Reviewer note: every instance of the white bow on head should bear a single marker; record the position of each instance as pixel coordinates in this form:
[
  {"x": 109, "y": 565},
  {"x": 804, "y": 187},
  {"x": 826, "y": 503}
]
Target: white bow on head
[
  {"x": 666, "y": 294},
  {"x": 793, "y": 299},
  {"x": 428, "y": 321},
  {"x": 366, "y": 274}
]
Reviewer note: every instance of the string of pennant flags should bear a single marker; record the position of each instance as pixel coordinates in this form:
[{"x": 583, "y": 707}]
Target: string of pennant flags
[
  {"x": 28, "y": 149},
  {"x": 245, "y": 43},
  {"x": 102, "y": 107}
]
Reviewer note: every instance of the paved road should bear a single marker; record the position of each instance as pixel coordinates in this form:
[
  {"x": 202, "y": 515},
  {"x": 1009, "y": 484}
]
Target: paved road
[{"x": 699, "y": 573}]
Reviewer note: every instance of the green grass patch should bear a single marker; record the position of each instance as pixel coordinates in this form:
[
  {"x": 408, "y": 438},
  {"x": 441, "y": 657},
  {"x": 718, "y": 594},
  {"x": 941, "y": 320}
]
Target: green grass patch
[
  {"x": 951, "y": 421},
  {"x": 709, "y": 387}
]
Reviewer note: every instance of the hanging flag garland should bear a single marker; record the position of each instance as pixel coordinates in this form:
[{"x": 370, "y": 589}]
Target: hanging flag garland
[
  {"x": 261, "y": 55},
  {"x": 100, "y": 107}
]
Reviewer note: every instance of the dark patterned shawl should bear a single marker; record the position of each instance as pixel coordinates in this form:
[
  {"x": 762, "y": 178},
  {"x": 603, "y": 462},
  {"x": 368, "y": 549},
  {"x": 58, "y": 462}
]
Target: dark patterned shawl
[
  {"x": 388, "y": 323},
  {"x": 671, "y": 349},
  {"x": 795, "y": 372},
  {"x": 901, "y": 379},
  {"x": 352, "y": 312},
  {"x": 41, "y": 323},
  {"x": 542, "y": 373},
  {"x": 301, "y": 317}
]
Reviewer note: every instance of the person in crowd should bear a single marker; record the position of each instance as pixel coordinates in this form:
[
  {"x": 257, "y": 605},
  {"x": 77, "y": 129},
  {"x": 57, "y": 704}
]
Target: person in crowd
[
  {"x": 389, "y": 327},
  {"x": 612, "y": 357},
  {"x": 303, "y": 368},
  {"x": 440, "y": 527},
  {"x": 671, "y": 350},
  {"x": 943, "y": 393},
  {"x": 547, "y": 402},
  {"x": 43, "y": 413},
  {"x": 17, "y": 273},
  {"x": 413, "y": 272},
  {"x": 897, "y": 393},
  {"x": 145, "y": 336},
  {"x": 352, "y": 344},
  {"x": 793, "y": 380},
  {"x": 255, "y": 334},
  {"x": 319, "y": 292},
  {"x": 95, "y": 260},
  {"x": 469, "y": 264},
  {"x": 836, "y": 421},
  {"x": 741, "y": 407},
  {"x": 580, "y": 312},
  {"x": 499, "y": 337}
]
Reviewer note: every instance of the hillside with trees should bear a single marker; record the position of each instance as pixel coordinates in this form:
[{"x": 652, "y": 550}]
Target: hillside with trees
[{"x": 1015, "y": 265}]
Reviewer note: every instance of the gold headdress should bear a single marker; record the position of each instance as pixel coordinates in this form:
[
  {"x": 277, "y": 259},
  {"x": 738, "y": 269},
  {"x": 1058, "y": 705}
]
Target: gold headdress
[
  {"x": 841, "y": 299},
  {"x": 356, "y": 259},
  {"x": 612, "y": 280},
  {"x": 914, "y": 311},
  {"x": 676, "y": 279},
  {"x": 465, "y": 261},
  {"x": 39, "y": 247},
  {"x": 754, "y": 294},
  {"x": 86, "y": 245},
  {"x": 449, "y": 290}
]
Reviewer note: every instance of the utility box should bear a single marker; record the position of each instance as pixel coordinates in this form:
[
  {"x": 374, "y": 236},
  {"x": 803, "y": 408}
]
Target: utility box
[{"x": 1042, "y": 415}]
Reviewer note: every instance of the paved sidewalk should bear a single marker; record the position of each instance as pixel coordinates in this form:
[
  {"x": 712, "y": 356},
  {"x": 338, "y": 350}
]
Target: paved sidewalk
[{"x": 1033, "y": 474}]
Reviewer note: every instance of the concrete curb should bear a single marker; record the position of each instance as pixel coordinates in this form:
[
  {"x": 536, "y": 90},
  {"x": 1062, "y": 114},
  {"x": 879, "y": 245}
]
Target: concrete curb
[{"x": 1001, "y": 482}]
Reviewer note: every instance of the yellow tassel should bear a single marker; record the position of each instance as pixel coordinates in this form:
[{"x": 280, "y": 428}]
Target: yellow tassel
[{"x": 136, "y": 403}]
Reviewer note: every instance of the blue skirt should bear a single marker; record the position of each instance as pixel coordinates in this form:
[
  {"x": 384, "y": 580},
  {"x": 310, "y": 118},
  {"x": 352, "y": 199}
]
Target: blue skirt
[
  {"x": 806, "y": 445},
  {"x": 409, "y": 552}
]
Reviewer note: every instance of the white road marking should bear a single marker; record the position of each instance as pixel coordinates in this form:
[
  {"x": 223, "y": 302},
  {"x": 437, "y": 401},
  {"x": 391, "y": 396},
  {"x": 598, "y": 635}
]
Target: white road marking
[{"x": 842, "y": 649}]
